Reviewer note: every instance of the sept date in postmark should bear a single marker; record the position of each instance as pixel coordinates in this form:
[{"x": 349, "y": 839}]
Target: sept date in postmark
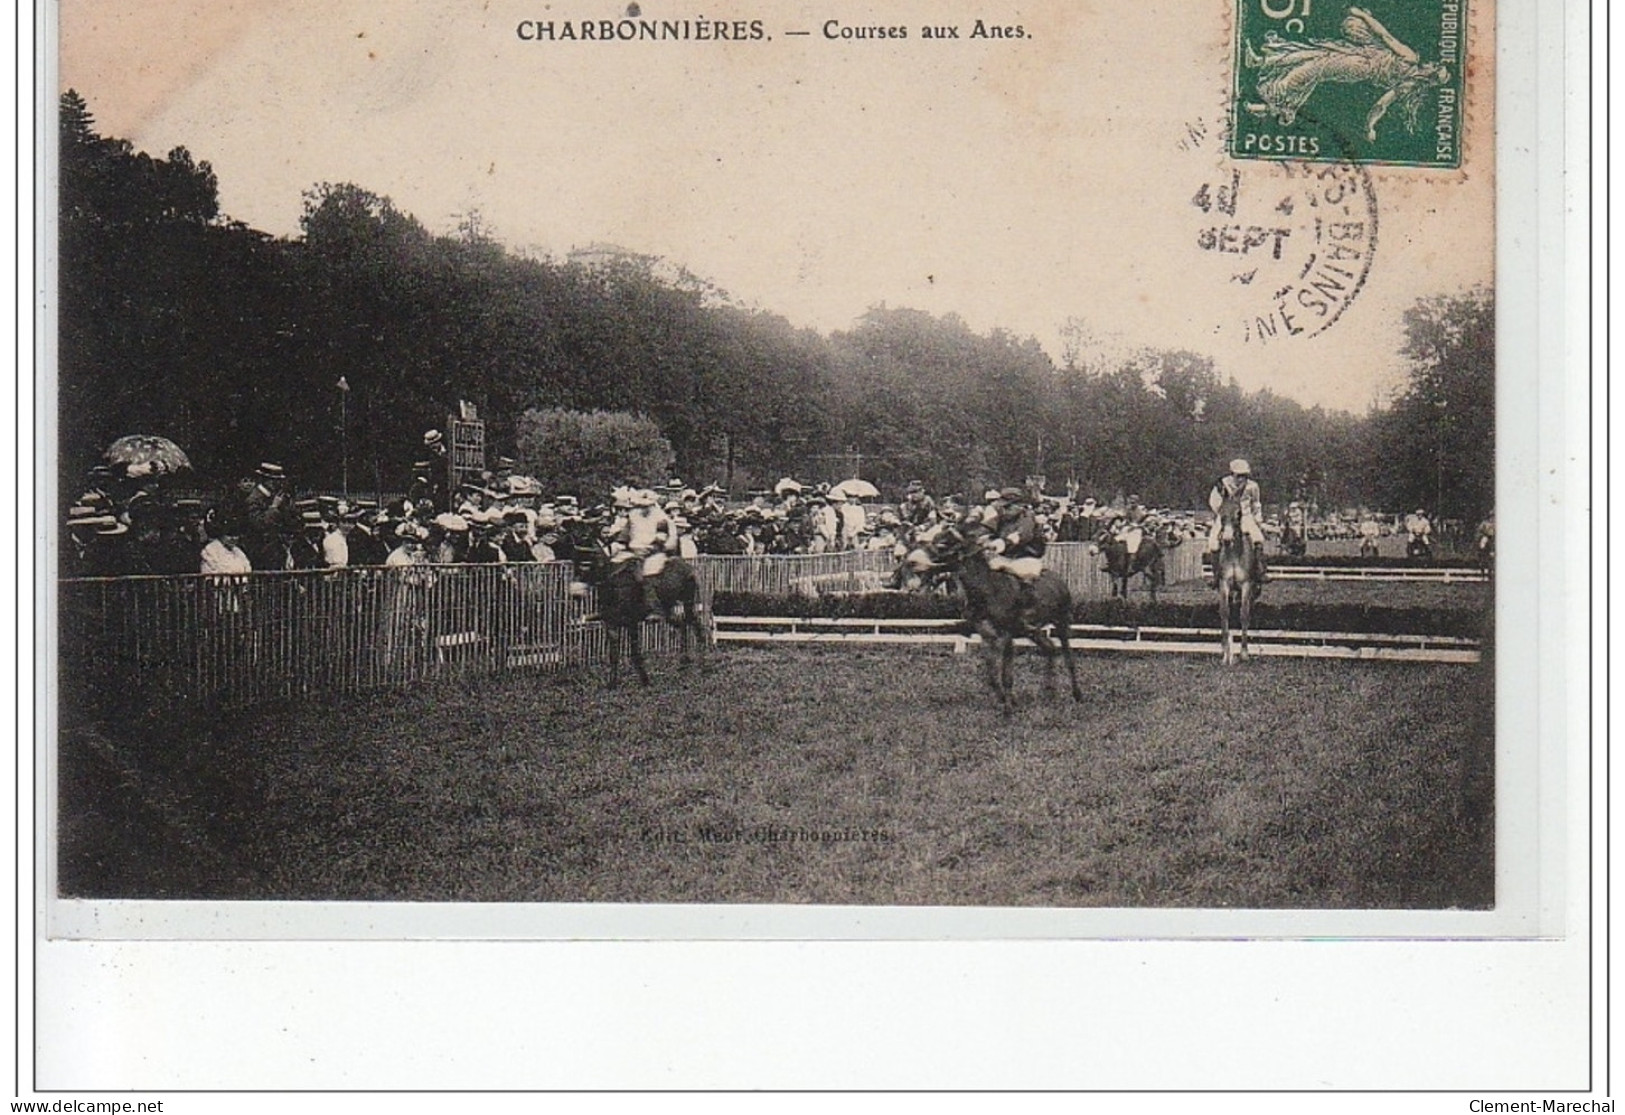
[{"x": 1293, "y": 241}]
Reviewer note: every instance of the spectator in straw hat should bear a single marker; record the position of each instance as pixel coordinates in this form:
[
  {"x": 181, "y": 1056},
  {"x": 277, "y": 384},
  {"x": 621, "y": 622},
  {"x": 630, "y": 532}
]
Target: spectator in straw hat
[
  {"x": 91, "y": 527},
  {"x": 404, "y": 624},
  {"x": 365, "y": 539},
  {"x": 546, "y": 534},
  {"x": 430, "y": 487},
  {"x": 337, "y": 526}
]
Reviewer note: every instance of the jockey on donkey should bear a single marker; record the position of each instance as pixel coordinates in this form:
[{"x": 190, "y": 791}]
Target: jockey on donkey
[
  {"x": 1129, "y": 547},
  {"x": 1004, "y": 606},
  {"x": 637, "y": 575},
  {"x": 1016, "y": 546},
  {"x": 1010, "y": 538},
  {"x": 1242, "y": 488},
  {"x": 645, "y": 535}
]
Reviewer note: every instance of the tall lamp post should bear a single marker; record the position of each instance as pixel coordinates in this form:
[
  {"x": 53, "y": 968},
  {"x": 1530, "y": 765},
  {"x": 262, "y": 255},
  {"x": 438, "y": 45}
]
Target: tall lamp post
[
  {"x": 344, "y": 431},
  {"x": 1438, "y": 462}
]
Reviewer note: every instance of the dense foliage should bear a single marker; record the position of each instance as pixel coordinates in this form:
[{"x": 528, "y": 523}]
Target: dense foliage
[
  {"x": 593, "y": 451},
  {"x": 178, "y": 321}
]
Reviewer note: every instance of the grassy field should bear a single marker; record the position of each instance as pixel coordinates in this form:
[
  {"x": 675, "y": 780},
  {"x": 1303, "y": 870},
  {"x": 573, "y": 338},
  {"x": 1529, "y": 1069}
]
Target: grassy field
[{"x": 1279, "y": 783}]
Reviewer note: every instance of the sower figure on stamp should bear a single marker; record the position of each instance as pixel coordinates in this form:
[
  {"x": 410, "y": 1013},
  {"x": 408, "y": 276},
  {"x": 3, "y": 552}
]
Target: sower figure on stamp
[
  {"x": 1240, "y": 486},
  {"x": 1368, "y": 54}
]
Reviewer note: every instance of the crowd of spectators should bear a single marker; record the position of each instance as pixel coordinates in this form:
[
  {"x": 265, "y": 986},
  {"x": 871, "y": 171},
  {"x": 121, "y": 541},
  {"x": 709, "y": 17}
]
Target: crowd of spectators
[{"x": 132, "y": 522}]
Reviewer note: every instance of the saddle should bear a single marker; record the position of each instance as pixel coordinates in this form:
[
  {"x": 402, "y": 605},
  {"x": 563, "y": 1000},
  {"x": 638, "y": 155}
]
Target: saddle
[{"x": 652, "y": 564}]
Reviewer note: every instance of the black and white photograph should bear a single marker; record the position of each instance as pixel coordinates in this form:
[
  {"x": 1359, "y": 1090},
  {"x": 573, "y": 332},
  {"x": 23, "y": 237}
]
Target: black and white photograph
[{"x": 587, "y": 456}]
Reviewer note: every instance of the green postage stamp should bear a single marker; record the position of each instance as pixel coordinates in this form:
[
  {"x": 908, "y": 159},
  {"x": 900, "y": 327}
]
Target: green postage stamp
[{"x": 1320, "y": 80}]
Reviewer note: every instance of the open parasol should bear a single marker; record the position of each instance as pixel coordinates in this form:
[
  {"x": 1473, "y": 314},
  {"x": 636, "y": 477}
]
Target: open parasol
[
  {"x": 856, "y": 489},
  {"x": 146, "y": 455}
]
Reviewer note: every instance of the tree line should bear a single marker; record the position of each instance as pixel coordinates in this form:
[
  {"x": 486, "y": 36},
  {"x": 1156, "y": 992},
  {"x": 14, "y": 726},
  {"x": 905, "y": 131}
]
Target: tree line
[{"x": 177, "y": 320}]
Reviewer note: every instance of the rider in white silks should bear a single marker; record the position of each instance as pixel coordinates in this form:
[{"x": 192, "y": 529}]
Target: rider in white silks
[
  {"x": 642, "y": 532},
  {"x": 1419, "y": 528},
  {"x": 1241, "y": 487}
]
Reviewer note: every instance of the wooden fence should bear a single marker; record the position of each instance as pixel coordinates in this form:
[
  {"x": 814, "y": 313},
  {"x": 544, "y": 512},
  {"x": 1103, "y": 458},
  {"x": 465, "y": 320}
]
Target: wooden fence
[{"x": 136, "y": 644}]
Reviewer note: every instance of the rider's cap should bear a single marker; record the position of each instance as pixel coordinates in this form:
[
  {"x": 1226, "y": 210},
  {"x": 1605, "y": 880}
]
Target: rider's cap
[
  {"x": 1014, "y": 494},
  {"x": 1419, "y": 511},
  {"x": 1240, "y": 467},
  {"x": 991, "y": 494}
]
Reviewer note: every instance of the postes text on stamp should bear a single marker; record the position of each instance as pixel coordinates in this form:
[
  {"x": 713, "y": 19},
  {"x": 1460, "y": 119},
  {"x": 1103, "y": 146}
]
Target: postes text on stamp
[{"x": 1320, "y": 80}]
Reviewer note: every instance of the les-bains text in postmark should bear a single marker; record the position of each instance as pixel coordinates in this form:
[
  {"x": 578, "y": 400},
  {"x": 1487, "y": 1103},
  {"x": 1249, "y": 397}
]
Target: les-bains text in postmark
[
  {"x": 1320, "y": 80},
  {"x": 1293, "y": 241}
]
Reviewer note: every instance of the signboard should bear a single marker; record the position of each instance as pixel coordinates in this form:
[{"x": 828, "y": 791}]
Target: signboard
[{"x": 467, "y": 456}]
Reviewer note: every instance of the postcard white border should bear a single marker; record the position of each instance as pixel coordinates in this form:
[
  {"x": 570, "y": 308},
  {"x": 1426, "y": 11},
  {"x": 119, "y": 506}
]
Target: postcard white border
[
  {"x": 1529, "y": 799},
  {"x": 1481, "y": 1015}
]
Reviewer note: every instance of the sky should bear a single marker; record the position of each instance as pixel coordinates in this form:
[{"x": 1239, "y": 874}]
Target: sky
[{"x": 1018, "y": 183}]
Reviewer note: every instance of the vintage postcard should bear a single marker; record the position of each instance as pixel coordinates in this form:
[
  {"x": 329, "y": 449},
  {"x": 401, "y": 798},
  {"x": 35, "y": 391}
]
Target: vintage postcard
[{"x": 895, "y": 470}]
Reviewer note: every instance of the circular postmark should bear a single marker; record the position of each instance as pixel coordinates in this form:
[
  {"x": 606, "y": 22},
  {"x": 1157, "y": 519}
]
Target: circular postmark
[{"x": 1291, "y": 241}]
